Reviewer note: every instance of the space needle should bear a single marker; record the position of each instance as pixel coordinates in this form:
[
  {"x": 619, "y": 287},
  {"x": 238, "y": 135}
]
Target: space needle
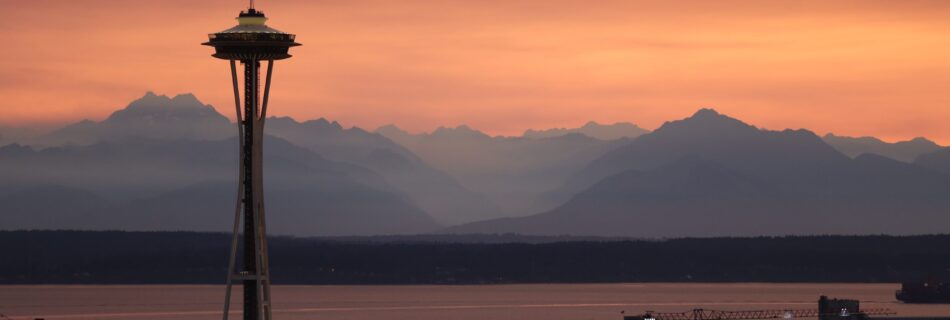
[{"x": 250, "y": 43}]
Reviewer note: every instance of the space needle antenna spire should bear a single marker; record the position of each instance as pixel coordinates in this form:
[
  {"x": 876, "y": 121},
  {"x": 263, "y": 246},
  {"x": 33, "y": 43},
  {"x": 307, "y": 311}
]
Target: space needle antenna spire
[{"x": 250, "y": 43}]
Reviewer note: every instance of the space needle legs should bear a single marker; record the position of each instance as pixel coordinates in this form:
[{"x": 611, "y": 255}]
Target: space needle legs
[{"x": 254, "y": 271}]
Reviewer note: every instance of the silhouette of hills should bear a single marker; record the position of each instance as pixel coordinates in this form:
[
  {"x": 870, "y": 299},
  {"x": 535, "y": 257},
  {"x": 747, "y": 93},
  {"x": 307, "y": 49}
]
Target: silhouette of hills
[
  {"x": 905, "y": 151},
  {"x": 592, "y": 129},
  {"x": 434, "y": 191},
  {"x": 712, "y": 175},
  {"x": 166, "y": 164},
  {"x": 511, "y": 171},
  {"x": 710, "y": 135},
  {"x": 184, "y": 117},
  {"x": 169, "y": 163},
  {"x": 151, "y": 116},
  {"x": 191, "y": 185}
]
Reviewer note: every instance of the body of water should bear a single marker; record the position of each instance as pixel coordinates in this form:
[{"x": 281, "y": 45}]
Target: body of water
[{"x": 483, "y": 302}]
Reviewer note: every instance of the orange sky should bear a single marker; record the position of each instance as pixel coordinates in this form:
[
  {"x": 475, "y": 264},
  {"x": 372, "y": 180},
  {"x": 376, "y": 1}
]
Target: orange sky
[{"x": 851, "y": 67}]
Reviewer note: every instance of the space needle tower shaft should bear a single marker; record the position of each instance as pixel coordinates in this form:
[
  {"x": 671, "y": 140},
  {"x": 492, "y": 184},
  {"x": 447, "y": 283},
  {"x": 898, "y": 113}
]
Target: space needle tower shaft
[{"x": 250, "y": 43}]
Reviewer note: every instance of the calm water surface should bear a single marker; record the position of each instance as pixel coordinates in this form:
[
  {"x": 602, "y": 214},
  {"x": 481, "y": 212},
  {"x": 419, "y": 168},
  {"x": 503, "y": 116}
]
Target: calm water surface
[{"x": 556, "y": 301}]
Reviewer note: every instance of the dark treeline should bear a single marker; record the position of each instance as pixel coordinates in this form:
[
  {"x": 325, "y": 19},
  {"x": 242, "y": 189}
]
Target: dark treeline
[{"x": 187, "y": 257}]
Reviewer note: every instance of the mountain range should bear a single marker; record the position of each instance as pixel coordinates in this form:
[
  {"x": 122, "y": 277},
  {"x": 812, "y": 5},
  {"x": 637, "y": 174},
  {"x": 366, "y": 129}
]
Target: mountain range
[
  {"x": 169, "y": 163},
  {"x": 906, "y": 151},
  {"x": 712, "y": 175},
  {"x": 592, "y": 129},
  {"x": 432, "y": 190},
  {"x": 151, "y": 117},
  {"x": 144, "y": 184},
  {"x": 513, "y": 172},
  {"x": 122, "y": 173}
]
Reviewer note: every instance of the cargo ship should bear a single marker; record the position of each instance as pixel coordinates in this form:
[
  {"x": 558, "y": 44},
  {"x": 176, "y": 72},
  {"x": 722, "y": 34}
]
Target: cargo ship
[{"x": 930, "y": 291}]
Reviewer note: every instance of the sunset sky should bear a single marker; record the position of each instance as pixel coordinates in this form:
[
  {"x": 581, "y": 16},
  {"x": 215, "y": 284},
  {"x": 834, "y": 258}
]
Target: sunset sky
[{"x": 877, "y": 68}]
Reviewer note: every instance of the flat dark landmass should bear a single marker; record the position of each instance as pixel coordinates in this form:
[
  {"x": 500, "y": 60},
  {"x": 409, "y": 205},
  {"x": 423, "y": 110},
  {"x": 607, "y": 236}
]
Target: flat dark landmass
[{"x": 66, "y": 257}]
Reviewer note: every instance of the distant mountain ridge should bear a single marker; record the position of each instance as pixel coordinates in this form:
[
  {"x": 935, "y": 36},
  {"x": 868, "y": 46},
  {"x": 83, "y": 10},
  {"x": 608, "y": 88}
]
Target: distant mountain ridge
[
  {"x": 433, "y": 190},
  {"x": 184, "y": 117},
  {"x": 712, "y": 175},
  {"x": 905, "y": 151},
  {"x": 164, "y": 164},
  {"x": 511, "y": 171},
  {"x": 190, "y": 185},
  {"x": 168, "y": 163},
  {"x": 716, "y": 137},
  {"x": 592, "y": 129},
  {"x": 152, "y": 117}
]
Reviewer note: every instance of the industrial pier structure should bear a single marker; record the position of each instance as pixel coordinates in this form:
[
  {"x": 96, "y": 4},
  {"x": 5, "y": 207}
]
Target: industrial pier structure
[
  {"x": 250, "y": 43},
  {"x": 828, "y": 309}
]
